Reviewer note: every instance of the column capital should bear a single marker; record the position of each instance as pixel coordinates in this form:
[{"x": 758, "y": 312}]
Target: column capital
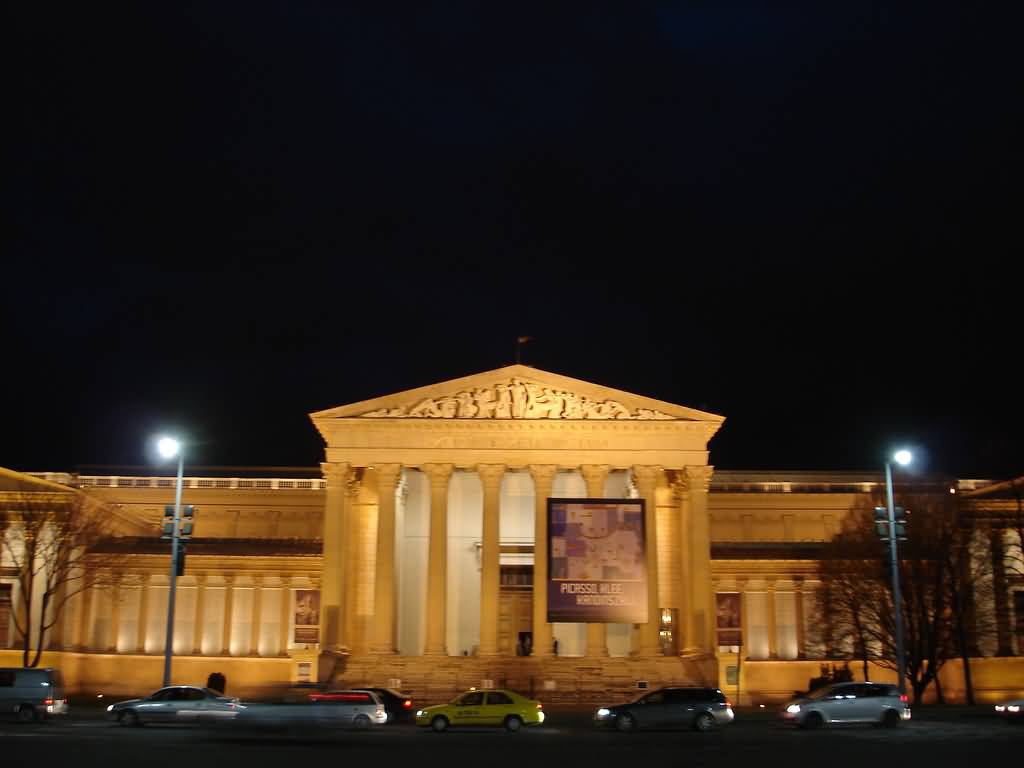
[
  {"x": 646, "y": 473},
  {"x": 491, "y": 474},
  {"x": 698, "y": 478},
  {"x": 438, "y": 473},
  {"x": 543, "y": 473},
  {"x": 354, "y": 482},
  {"x": 594, "y": 471},
  {"x": 680, "y": 488},
  {"x": 335, "y": 473}
]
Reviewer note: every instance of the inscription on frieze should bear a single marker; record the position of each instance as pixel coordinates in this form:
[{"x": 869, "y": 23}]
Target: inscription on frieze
[{"x": 516, "y": 399}]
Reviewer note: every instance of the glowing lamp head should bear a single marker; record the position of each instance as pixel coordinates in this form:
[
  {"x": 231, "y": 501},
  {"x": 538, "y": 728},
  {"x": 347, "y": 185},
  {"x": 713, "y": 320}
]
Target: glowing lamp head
[
  {"x": 902, "y": 457},
  {"x": 168, "y": 447}
]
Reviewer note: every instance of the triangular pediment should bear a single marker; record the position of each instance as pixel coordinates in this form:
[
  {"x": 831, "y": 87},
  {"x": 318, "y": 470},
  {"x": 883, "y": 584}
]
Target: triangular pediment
[{"x": 516, "y": 392}]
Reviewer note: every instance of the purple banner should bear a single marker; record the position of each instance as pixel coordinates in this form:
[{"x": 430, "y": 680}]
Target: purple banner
[{"x": 597, "y": 569}]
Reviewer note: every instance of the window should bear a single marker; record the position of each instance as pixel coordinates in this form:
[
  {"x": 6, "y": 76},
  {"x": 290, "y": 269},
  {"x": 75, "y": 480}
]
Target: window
[
  {"x": 497, "y": 697},
  {"x": 474, "y": 699},
  {"x": 194, "y": 694},
  {"x": 658, "y": 697},
  {"x": 6, "y": 678}
]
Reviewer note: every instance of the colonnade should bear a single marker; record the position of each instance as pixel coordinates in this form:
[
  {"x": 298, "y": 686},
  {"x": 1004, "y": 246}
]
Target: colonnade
[{"x": 685, "y": 489}]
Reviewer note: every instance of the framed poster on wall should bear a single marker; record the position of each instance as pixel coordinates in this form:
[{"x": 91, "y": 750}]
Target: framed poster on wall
[
  {"x": 597, "y": 568},
  {"x": 307, "y": 616}
]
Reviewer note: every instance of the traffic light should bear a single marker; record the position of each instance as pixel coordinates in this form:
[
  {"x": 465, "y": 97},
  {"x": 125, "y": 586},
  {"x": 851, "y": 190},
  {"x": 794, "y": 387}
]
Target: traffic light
[
  {"x": 184, "y": 525},
  {"x": 168, "y": 530},
  {"x": 187, "y": 513},
  {"x": 900, "y": 519}
]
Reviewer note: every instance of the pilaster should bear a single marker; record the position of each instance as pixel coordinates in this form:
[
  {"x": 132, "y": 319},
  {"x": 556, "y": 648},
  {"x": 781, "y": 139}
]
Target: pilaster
[{"x": 229, "y": 618}]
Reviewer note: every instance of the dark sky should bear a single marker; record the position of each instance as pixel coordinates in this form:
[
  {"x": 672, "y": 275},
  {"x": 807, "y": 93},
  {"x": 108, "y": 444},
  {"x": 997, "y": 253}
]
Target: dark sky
[{"x": 803, "y": 216}]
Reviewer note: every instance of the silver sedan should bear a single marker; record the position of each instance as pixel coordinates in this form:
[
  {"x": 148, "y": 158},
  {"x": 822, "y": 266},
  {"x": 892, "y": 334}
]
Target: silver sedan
[{"x": 175, "y": 704}]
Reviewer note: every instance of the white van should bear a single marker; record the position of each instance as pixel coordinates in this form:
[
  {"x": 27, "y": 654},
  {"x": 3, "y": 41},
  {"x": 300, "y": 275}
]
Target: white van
[{"x": 32, "y": 694}]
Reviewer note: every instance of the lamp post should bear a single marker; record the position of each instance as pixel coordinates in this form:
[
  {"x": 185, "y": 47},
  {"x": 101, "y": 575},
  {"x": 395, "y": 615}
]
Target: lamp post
[
  {"x": 169, "y": 447},
  {"x": 903, "y": 458}
]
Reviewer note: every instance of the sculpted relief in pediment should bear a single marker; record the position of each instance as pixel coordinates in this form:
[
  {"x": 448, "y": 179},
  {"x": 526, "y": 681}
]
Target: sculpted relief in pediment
[{"x": 516, "y": 399}]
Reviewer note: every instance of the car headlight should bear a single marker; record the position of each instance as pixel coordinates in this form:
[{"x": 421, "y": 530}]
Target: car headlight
[
  {"x": 420, "y": 713},
  {"x": 110, "y": 708},
  {"x": 1000, "y": 708},
  {"x": 1013, "y": 708},
  {"x": 793, "y": 709},
  {"x": 603, "y": 712}
]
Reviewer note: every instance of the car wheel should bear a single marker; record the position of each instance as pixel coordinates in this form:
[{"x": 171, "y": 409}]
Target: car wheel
[
  {"x": 128, "y": 718},
  {"x": 361, "y": 723},
  {"x": 513, "y": 723},
  {"x": 439, "y": 724},
  {"x": 26, "y": 713},
  {"x": 704, "y": 722},
  {"x": 625, "y": 722},
  {"x": 891, "y": 718},
  {"x": 813, "y": 721}
]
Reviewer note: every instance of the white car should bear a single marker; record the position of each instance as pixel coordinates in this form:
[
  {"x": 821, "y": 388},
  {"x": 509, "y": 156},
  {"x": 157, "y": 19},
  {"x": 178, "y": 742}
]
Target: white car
[
  {"x": 1011, "y": 711},
  {"x": 175, "y": 704},
  {"x": 841, "y": 703},
  {"x": 346, "y": 709}
]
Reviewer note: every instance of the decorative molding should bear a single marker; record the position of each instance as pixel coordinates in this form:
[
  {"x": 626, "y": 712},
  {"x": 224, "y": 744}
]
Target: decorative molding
[{"x": 517, "y": 399}]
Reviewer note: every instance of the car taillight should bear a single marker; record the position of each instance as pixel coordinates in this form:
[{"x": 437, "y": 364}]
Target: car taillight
[
  {"x": 728, "y": 704},
  {"x": 903, "y": 698},
  {"x": 48, "y": 702},
  {"x": 539, "y": 705},
  {"x": 407, "y": 704}
]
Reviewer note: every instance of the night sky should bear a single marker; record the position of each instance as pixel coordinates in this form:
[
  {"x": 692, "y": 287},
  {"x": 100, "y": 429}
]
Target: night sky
[{"x": 805, "y": 217}]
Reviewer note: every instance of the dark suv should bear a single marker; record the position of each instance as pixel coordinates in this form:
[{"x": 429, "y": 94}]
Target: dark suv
[{"x": 699, "y": 708}]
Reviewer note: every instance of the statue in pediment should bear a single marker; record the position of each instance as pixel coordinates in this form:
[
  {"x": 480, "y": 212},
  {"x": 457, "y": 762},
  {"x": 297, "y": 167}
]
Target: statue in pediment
[{"x": 517, "y": 399}]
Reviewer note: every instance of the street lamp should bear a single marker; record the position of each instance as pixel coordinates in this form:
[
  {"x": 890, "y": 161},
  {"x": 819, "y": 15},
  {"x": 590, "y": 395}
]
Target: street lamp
[
  {"x": 903, "y": 458},
  {"x": 168, "y": 448}
]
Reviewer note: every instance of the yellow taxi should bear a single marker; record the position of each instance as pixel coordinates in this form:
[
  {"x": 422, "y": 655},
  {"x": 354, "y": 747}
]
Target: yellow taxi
[{"x": 491, "y": 707}]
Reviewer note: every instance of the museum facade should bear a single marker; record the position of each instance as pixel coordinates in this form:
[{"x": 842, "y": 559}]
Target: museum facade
[{"x": 447, "y": 536}]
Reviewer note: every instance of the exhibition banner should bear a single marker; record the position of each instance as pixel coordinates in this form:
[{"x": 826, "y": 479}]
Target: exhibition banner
[{"x": 597, "y": 569}]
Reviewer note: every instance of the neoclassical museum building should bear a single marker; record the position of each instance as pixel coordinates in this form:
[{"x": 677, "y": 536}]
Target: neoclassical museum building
[{"x": 512, "y": 528}]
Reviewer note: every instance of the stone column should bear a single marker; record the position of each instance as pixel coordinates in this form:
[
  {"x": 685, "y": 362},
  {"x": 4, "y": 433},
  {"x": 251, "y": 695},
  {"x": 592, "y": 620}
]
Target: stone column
[
  {"x": 286, "y": 615},
  {"x": 437, "y": 563},
  {"x": 543, "y": 478},
  {"x": 229, "y": 600},
  {"x": 257, "y": 617},
  {"x": 332, "y": 589},
  {"x": 597, "y": 634},
  {"x": 701, "y": 609},
  {"x": 490, "y": 576},
  {"x": 197, "y": 635},
  {"x": 681, "y": 495},
  {"x": 353, "y": 558},
  {"x": 85, "y": 620},
  {"x": 140, "y": 643},
  {"x": 801, "y": 629},
  {"x": 55, "y": 639},
  {"x": 769, "y": 600},
  {"x": 647, "y": 484},
  {"x": 741, "y": 585},
  {"x": 384, "y": 582},
  {"x": 115, "y": 613}
]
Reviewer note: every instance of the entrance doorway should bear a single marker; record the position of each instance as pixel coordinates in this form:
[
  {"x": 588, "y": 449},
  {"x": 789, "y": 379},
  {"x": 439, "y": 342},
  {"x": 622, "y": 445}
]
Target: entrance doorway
[{"x": 515, "y": 610}]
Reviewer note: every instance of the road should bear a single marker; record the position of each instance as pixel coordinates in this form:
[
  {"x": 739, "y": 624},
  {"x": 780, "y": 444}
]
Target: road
[{"x": 567, "y": 739}]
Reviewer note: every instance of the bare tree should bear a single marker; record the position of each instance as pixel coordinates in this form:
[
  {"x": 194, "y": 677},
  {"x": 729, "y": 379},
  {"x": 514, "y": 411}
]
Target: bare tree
[
  {"x": 48, "y": 538},
  {"x": 937, "y": 571}
]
